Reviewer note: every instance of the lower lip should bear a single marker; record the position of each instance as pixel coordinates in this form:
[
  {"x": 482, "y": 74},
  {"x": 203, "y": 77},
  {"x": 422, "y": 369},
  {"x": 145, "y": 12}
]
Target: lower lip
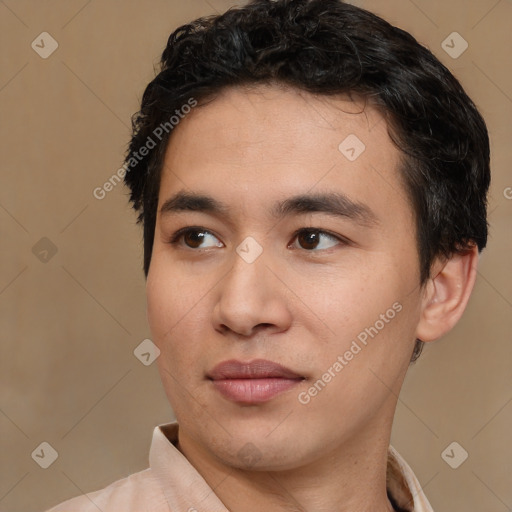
[{"x": 253, "y": 391}]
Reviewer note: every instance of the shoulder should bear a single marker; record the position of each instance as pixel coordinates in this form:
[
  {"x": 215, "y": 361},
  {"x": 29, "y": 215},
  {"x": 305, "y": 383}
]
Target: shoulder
[{"x": 138, "y": 492}]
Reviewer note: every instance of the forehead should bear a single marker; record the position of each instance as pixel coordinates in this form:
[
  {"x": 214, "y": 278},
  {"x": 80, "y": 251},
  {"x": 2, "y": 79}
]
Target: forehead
[
  {"x": 243, "y": 115},
  {"x": 255, "y": 142}
]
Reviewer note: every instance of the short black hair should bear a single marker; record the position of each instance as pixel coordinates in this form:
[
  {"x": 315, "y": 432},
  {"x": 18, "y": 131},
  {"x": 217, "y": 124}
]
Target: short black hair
[{"x": 328, "y": 47}]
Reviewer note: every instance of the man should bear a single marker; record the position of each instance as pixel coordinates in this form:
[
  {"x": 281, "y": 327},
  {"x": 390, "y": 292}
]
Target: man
[{"x": 312, "y": 185}]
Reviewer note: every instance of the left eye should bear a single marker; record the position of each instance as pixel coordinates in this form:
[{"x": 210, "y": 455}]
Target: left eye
[{"x": 309, "y": 238}]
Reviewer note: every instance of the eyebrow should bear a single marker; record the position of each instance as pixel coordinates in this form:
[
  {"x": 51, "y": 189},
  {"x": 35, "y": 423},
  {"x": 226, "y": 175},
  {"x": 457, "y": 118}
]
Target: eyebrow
[{"x": 331, "y": 203}]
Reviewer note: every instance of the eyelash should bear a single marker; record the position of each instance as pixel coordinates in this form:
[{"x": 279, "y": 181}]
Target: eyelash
[{"x": 176, "y": 237}]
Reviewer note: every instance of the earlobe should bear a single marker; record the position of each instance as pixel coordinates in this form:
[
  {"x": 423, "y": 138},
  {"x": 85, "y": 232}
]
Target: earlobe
[{"x": 446, "y": 294}]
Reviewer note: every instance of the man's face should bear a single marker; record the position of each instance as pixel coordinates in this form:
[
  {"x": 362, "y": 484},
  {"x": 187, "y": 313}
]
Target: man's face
[{"x": 346, "y": 291}]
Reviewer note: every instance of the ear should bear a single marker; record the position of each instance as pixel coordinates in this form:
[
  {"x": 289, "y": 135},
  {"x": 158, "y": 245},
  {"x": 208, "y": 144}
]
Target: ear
[{"x": 446, "y": 294}]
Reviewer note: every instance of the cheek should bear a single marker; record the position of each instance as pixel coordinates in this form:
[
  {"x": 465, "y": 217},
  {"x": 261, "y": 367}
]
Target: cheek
[
  {"x": 350, "y": 300},
  {"x": 377, "y": 308},
  {"x": 173, "y": 312},
  {"x": 175, "y": 322},
  {"x": 170, "y": 296}
]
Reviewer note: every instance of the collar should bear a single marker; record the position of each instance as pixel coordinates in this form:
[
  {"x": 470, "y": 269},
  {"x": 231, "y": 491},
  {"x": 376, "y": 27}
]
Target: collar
[{"x": 193, "y": 494}]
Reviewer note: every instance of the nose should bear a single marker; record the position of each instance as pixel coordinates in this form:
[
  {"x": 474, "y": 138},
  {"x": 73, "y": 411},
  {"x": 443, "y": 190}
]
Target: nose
[{"x": 251, "y": 298}]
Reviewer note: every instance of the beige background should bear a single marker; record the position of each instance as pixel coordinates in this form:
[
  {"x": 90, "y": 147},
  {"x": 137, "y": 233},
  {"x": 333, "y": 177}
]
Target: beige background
[{"x": 69, "y": 325}]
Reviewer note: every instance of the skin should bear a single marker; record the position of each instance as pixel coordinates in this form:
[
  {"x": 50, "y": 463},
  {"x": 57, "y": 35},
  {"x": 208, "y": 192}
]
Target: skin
[{"x": 296, "y": 304}]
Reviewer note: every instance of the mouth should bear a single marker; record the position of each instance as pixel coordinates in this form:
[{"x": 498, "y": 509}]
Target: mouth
[{"x": 252, "y": 382}]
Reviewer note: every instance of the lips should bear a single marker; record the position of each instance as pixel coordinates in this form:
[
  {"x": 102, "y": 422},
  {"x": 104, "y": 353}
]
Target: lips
[
  {"x": 252, "y": 382},
  {"x": 256, "y": 369}
]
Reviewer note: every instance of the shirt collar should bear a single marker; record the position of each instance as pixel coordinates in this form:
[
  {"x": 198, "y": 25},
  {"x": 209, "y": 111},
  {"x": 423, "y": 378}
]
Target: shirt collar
[{"x": 193, "y": 494}]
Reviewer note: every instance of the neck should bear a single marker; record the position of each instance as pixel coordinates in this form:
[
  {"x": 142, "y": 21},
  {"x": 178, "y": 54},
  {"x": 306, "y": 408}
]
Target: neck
[{"x": 348, "y": 477}]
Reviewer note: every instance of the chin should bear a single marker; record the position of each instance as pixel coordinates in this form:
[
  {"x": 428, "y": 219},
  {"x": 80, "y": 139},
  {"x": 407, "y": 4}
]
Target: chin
[
  {"x": 267, "y": 456},
  {"x": 258, "y": 447}
]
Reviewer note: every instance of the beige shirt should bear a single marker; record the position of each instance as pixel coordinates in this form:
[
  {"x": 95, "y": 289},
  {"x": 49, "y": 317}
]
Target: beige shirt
[{"x": 172, "y": 484}]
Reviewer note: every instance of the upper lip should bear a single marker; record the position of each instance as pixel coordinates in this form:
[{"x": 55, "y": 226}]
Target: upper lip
[{"x": 255, "y": 369}]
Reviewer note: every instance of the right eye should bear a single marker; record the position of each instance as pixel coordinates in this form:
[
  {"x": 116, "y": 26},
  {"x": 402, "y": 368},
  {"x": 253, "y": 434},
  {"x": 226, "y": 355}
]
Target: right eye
[{"x": 193, "y": 237}]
